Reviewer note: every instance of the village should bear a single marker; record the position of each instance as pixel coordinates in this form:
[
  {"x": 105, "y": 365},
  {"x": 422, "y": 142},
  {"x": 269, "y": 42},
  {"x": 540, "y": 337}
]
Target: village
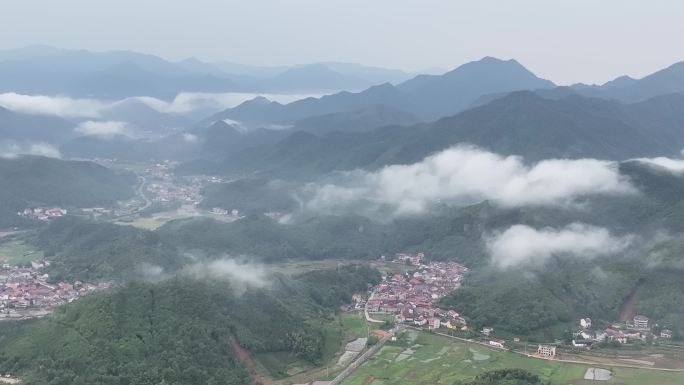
[
  {"x": 411, "y": 297},
  {"x": 26, "y": 293}
]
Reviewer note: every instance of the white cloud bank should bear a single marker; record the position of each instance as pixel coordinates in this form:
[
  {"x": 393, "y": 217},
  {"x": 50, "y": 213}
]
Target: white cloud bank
[
  {"x": 12, "y": 150},
  {"x": 51, "y": 105},
  {"x": 183, "y": 103},
  {"x": 105, "y": 129},
  {"x": 469, "y": 174},
  {"x": 238, "y": 272},
  {"x": 673, "y": 165},
  {"x": 521, "y": 244}
]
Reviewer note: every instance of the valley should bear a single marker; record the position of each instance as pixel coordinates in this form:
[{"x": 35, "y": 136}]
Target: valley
[{"x": 341, "y": 193}]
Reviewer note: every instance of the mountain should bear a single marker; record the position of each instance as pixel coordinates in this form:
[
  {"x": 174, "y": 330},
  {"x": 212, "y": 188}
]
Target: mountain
[
  {"x": 177, "y": 146},
  {"x": 136, "y": 112},
  {"x": 261, "y": 111},
  {"x": 523, "y": 123},
  {"x": 23, "y": 127},
  {"x": 428, "y": 97},
  {"x": 370, "y": 75},
  {"x": 436, "y": 96},
  {"x": 120, "y": 74},
  {"x": 106, "y": 75},
  {"x": 28, "y": 181},
  {"x": 364, "y": 119},
  {"x": 666, "y": 81},
  {"x": 313, "y": 77}
]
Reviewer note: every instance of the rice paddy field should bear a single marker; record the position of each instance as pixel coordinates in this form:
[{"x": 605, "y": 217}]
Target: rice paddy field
[{"x": 422, "y": 358}]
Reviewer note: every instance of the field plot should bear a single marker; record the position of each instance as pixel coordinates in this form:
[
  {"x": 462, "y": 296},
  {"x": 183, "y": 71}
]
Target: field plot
[
  {"x": 17, "y": 252},
  {"x": 422, "y": 358}
]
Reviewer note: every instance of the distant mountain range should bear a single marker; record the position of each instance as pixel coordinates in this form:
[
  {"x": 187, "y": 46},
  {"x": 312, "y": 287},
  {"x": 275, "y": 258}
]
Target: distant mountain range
[
  {"x": 666, "y": 81},
  {"x": 119, "y": 74},
  {"x": 428, "y": 97},
  {"x": 492, "y": 103},
  {"x": 558, "y": 124}
]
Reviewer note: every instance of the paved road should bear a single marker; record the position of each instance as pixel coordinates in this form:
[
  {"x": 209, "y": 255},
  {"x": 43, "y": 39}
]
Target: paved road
[{"x": 141, "y": 192}]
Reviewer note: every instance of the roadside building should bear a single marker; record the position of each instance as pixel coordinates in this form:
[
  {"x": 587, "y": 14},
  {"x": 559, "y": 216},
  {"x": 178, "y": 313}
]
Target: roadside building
[
  {"x": 546, "y": 351},
  {"x": 666, "y": 333},
  {"x": 497, "y": 344}
]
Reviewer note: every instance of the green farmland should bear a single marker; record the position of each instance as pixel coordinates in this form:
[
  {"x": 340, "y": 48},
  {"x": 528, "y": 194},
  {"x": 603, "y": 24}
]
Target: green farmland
[{"x": 422, "y": 358}]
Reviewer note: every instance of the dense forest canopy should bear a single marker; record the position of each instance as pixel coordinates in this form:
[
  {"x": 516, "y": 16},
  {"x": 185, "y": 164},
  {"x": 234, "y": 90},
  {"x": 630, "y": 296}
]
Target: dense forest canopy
[{"x": 177, "y": 331}]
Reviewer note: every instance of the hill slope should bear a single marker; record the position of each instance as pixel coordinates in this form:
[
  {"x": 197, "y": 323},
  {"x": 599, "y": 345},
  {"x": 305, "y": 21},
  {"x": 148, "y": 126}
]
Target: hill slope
[{"x": 37, "y": 181}]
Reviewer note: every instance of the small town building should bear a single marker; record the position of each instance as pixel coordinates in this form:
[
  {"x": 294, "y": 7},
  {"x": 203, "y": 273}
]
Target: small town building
[
  {"x": 585, "y": 323},
  {"x": 666, "y": 333},
  {"x": 497, "y": 344},
  {"x": 546, "y": 351},
  {"x": 641, "y": 322}
]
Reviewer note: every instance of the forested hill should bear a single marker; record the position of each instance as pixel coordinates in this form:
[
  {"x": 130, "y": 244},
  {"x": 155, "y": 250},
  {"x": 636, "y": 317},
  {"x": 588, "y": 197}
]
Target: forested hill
[
  {"x": 87, "y": 250},
  {"x": 28, "y": 181},
  {"x": 177, "y": 332}
]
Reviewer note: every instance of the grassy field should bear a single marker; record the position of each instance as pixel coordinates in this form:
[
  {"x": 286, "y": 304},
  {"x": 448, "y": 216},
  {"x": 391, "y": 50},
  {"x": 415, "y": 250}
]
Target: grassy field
[
  {"x": 17, "y": 252},
  {"x": 422, "y": 358}
]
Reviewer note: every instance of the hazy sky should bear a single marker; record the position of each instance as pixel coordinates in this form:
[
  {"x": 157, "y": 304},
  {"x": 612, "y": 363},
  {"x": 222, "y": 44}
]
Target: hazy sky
[{"x": 563, "y": 40}]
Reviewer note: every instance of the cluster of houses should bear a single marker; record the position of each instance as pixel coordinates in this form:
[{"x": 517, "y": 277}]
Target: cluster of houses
[
  {"x": 164, "y": 187},
  {"x": 411, "y": 296},
  {"x": 42, "y": 213},
  {"x": 637, "y": 330},
  {"x": 167, "y": 192},
  {"x": 25, "y": 289}
]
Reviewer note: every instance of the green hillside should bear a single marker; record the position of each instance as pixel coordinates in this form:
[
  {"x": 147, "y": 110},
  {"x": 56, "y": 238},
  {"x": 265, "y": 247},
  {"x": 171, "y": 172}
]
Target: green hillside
[
  {"x": 29, "y": 181},
  {"x": 178, "y": 331}
]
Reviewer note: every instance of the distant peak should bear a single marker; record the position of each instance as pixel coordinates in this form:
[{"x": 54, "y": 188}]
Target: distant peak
[
  {"x": 260, "y": 100},
  {"x": 495, "y": 60}
]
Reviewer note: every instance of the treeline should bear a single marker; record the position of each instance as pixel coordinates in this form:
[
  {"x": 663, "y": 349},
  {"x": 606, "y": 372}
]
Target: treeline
[
  {"x": 177, "y": 331},
  {"x": 505, "y": 377}
]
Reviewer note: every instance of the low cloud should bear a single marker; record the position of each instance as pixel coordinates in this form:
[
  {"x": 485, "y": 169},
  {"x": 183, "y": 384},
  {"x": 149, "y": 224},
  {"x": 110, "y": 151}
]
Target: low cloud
[
  {"x": 673, "y": 165},
  {"x": 184, "y": 103},
  {"x": 51, "y": 105},
  {"x": 12, "y": 150},
  {"x": 240, "y": 272},
  {"x": 105, "y": 129},
  {"x": 521, "y": 244},
  {"x": 190, "y": 138},
  {"x": 465, "y": 174}
]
